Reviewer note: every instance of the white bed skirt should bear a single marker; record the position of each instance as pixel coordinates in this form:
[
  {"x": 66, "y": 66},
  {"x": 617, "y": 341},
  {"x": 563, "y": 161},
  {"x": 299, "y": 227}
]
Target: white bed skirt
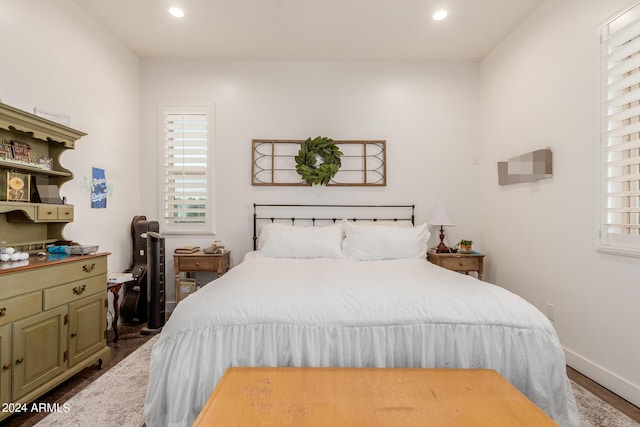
[{"x": 201, "y": 342}]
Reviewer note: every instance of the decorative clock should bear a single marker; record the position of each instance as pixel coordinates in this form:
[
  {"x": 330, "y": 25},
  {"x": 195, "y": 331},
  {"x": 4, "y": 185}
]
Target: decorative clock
[{"x": 18, "y": 186}]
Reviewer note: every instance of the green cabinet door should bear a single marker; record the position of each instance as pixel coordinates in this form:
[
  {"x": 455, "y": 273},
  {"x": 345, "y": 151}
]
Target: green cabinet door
[
  {"x": 87, "y": 325},
  {"x": 39, "y": 350}
]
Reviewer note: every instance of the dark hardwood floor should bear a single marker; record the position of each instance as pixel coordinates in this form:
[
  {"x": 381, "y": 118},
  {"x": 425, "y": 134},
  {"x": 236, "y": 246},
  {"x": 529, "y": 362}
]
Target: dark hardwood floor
[{"x": 608, "y": 396}]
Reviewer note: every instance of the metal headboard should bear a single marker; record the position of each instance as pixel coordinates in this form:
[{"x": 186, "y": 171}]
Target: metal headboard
[{"x": 312, "y": 209}]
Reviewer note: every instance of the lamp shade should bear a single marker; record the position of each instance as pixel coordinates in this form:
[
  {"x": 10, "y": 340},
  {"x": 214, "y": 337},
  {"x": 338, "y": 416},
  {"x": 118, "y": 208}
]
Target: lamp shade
[{"x": 440, "y": 216}]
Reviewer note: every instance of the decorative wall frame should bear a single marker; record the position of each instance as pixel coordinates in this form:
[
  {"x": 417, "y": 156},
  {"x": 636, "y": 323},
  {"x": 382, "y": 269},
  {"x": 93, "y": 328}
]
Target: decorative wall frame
[
  {"x": 273, "y": 163},
  {"x": 528, "y": 167}
]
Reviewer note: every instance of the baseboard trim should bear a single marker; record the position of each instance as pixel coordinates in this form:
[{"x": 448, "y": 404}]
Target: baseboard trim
[{"x": 605, "y": 378}]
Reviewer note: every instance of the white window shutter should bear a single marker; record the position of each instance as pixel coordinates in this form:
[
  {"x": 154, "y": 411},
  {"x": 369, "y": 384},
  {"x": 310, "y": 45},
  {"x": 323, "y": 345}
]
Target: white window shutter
[
  {"x": 620, "y": 134},
  {"x": 186, "y": 170}
]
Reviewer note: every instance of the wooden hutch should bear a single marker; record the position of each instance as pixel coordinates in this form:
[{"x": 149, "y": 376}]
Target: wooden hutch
[{"x": 52, "y": 306}]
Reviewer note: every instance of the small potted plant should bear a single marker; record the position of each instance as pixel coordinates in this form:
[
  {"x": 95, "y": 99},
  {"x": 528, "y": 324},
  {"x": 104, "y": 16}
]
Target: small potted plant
[{"x": 465, "y": 246}]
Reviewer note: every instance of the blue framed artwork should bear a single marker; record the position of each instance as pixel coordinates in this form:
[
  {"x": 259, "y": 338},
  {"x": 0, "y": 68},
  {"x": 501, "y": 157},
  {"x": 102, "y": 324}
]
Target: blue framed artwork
[{"x": 98, "y": 189}]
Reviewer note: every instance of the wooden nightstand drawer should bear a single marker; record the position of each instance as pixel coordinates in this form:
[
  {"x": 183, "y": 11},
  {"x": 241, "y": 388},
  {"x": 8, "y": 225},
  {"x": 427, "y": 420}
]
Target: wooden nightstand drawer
[
  {"x": 461, "y": 264},
  {"x": 202, "y": 263}
]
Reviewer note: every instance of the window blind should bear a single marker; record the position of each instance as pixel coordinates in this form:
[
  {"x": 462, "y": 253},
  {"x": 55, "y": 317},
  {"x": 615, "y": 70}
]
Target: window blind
[
  {"x": 186, "y": 180},
  {"x": 620, "y": 135}
]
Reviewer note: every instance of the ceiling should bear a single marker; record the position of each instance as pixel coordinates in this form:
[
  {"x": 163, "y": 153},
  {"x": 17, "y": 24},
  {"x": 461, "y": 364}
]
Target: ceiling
[{"x": 367, "y": 30}]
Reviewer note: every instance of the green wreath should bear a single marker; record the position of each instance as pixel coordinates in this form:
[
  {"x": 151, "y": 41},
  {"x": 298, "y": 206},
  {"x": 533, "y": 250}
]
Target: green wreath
[{"x": 307, "y": 158}]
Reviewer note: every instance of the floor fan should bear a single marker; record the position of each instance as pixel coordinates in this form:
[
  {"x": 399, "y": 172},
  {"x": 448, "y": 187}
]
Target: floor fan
[{"x": 155, "y": 284}]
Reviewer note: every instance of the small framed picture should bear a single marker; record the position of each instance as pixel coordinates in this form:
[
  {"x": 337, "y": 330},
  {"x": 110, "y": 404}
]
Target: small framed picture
[
  {"x": 5, "y": 150},
  {"x": 45, "y": 163},
  {"x": 18, "y": 186},
  {"x": 21, "y": 151}
]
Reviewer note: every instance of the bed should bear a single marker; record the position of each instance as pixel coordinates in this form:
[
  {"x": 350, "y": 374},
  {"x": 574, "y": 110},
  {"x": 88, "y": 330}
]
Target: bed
[{"x": 350, "y": 294}]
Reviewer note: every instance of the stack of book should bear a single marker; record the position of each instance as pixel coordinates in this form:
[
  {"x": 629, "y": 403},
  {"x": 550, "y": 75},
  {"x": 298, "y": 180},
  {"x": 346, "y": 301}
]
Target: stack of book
[{"x": 187, "y": 250}]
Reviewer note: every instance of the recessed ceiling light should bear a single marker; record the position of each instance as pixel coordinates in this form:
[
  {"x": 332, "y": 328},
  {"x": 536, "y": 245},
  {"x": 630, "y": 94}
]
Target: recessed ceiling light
[
  {"x": 439, "y": 15},
  {"x": 176, "y": 11}
]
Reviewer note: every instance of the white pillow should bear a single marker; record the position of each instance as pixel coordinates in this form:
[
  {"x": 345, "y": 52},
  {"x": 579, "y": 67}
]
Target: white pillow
[
  {"x": 378, "y": 242},
  {"x": 287, "y": 241},
  {"x": 384, "y": 223},
  {"x": 264, "y": 232}
]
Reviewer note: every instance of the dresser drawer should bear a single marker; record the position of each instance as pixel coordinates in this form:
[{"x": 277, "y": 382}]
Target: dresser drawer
[
  {"x": 461, "y": 264},
  {"x": 47, "y": 212},
  {"x": 68, "y": 272},
  {"x": 16, "y": 308},
  {"x": 73, "y": 291},
  {"x": 204, "y": 263},
  {"x": 40, "y": 278},
  {"x": 65, "y": 213},
  {"x": 55, "y": 212}
]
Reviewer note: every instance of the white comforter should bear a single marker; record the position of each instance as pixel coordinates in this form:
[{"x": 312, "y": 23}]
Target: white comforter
[{"x": 337, "y": 312}]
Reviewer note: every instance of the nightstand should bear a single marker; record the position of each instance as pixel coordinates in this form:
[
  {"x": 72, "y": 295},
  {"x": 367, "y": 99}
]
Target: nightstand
[
  {"x": 199, "y": 261},
  {"x": 463, "y": 263}
]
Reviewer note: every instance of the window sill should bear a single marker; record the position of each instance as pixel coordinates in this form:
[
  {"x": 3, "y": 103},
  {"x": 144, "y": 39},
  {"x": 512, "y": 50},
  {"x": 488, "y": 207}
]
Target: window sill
[{"x": 617, "y": 250}]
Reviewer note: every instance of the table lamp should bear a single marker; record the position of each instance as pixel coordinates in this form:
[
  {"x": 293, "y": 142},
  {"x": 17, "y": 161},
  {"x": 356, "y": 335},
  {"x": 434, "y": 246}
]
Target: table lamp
[{"x": 441, "y": 217}]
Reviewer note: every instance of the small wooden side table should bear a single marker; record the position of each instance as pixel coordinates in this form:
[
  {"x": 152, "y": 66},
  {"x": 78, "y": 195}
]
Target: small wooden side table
[
  {"x": 199, "y": 261},
  {"x": 463, "y": 263},
  {"x": 114, "y": 288}
]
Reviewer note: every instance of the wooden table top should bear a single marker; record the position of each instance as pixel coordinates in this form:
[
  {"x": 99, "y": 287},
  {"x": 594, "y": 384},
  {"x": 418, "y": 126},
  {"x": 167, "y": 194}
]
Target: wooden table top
[{"x": 368, "y": 397}]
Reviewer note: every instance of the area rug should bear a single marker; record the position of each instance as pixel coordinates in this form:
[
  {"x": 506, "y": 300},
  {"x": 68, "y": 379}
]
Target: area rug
[
  {"x": 595, "y": 412},
  {"x": 113, "y": 399},
  {"x": 116, "y": 399}
]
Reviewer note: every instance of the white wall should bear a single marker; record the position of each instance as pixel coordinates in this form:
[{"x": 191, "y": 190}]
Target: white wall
[
  {"x": 426, "y": 112},
  {"x": 57, "y": 58},
  {"x": 540, "y": 89}
]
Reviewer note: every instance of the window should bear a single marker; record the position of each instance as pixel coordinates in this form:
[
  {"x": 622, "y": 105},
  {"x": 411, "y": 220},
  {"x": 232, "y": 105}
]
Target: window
[
  {"x": 620, "y": 134},
  {"x": 187, "y": 202}
]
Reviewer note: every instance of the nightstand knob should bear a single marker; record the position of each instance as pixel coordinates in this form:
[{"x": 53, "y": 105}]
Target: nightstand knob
[{"x": 197, "y": 264}]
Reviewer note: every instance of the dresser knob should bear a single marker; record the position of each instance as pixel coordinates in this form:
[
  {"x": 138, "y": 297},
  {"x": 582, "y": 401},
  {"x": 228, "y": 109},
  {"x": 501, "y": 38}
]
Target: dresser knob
[
  {"x": 73, "y": 335},
  {"x": 79, "y": 289},
  {"x": 6, "y": 367},
  {"x": 3, "y": 311},
  {"x": 19, "y": 361},
  {"x": 89, "y": 267}
]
